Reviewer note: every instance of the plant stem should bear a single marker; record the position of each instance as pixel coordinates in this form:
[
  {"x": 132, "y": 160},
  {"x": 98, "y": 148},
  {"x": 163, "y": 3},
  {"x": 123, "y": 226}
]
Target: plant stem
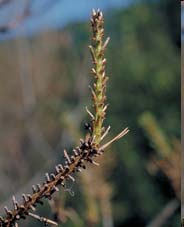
[{"x": 99, "y": 87}]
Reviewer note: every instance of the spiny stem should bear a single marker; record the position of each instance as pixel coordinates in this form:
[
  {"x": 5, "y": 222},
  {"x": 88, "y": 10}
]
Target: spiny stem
[{"x": 88, "y": 149}]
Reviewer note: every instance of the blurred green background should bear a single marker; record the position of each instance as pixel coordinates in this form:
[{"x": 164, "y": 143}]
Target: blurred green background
[{"x": 43, "y": 94}]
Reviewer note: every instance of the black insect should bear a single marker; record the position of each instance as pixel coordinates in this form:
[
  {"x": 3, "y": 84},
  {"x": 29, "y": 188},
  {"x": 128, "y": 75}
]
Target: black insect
[{"x": 88, "y": 126}]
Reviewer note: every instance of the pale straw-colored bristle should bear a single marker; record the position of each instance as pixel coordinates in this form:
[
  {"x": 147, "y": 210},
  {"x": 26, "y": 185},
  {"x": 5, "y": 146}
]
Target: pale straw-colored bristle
[
  {"x": 105, "y": 133},
  {"x": 119, "y": 136}
]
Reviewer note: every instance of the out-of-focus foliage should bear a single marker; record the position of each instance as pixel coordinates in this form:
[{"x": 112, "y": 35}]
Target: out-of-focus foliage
[{"x": 144, "y": 70}]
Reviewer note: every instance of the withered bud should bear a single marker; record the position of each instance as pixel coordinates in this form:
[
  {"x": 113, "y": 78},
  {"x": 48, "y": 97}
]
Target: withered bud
[
  {"x": 25, "y": 198},
  {"x": 53, "y": 176},
  {"x": 67, "y": 156},
  {"x": 15, "y": 203},
  {"x": 47, "y": 177},
  {"x": 75, "y": 152},
  {"x": 34, "y": 189},
  {"x": 8, "y": 212},
  {"x": 29, "y": 197},
  {"x": 57, "y": 169},
  {"x": 38, "y": 187},
  {"x": 60, "y": 167}
]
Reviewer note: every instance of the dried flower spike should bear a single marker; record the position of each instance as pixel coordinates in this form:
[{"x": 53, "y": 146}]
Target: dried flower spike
[
  {"x": 89, "y": 147},
  {"x": 99, "y": 87}
]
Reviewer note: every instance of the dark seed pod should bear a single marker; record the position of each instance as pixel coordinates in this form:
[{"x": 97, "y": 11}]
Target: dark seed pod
[
  {"x": 60, "y": 167},
  {"x": 78, "y": 150},
  {"x": 57, "y": 169},
  {"x": 48, "y": 196},
  {"x": 66, "y": 168},
  {"x": 46, "y": 186},
  {"x": 54, "y": 189},
  {"x": 25, "y": 199},
  {"x": 85, "y": 152},
  {"x": 72, "y": 158},
  {"x": 29, "y": 197},
  {"x": 78, "y": 170},
  {"x": 22, "y": 207},
  {"x": 53, "y": 176},
  {"x": 8, "y": 212},
  {"x": 75, "y": 152},
  {"x": 38, "y": 187},
  {"x": 23, "y": 216},
  {"x": 47, "y": 177}
]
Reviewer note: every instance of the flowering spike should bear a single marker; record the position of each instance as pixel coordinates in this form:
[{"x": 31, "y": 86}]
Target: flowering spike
[{"x": 89, "y": 148}]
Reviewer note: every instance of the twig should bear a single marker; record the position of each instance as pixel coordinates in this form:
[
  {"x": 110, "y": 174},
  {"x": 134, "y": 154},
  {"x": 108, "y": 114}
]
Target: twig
[{"x": 166, "y": 213}]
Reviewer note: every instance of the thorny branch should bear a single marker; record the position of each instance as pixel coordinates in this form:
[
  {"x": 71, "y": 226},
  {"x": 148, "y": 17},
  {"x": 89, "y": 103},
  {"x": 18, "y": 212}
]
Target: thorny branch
[{"x": 87, "y": 151}]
